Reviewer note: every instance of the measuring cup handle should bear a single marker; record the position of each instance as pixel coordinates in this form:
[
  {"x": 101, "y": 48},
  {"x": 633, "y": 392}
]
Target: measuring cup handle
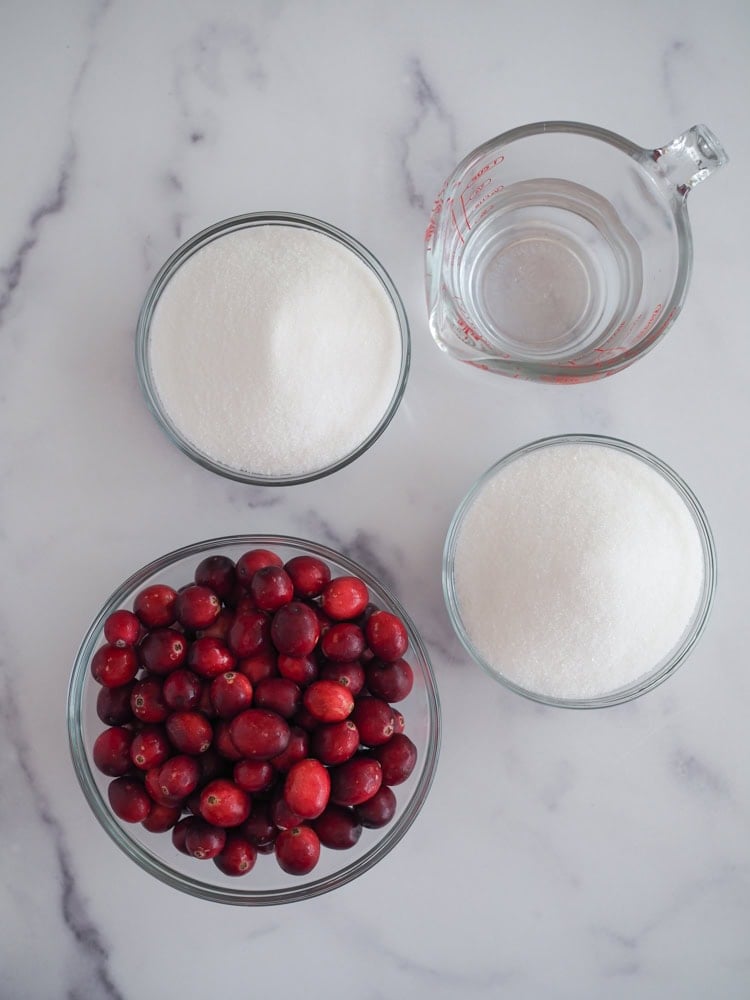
[{"x": 690, "y": 158}]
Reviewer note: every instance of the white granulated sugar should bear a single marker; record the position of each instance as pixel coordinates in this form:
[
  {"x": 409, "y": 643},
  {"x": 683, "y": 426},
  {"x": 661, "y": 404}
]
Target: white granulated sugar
[
  {"x": 275, "y": 350},
  {"x": 577, "y": 569}
]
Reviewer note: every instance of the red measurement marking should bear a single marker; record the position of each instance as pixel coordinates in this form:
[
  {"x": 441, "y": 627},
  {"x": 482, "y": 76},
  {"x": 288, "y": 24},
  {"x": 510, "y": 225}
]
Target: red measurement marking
[
  {"x": 474, "y": 192},
  {"x": 466, "y": 217},
  {"x": 455, "y": 223},
  {"x": 468, "y": 330},
  {"x": 488, "y": 166},
  {"x": 651, "y": 320},
  {"x": 490, "y": 194}
]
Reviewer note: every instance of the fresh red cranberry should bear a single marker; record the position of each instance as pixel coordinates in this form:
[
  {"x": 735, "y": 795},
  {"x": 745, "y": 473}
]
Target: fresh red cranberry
[
  {"x": 344, "y": 598},
  {"x": 224, "y": 743},
  {"x": 147, "y": 700},
  {"x": 178, "y": 776},
  {"x": 224, "y": 804},
  {"x": 259, "y": 828},
  {"x": 249, "y": 633},
  {"x": 249, "y": 564},
  {"x": 279, "y": 695},
  {"x": 190, "y": 732},
  {"x": 328, "y": 701},
  {"x": 374, "y": 720},
  {"x": 197, "y": 607},
  {"x": 386, "y": 636},
  {"x": 295, "y": 629},
  {"x": 182, "y": 690},
  {"x": 335, "y": 742},
  {"x": 111, "y": 751},
  {"x": 129, "y": 800},
  {"x": 238, "y": 856},
  {"x": 163, "y": 650},
  {"x": 218, "y": 574},
  {"x": 203, "y": 840},
  {"x": 307, "y": 788},
  {"x": 297, "y": 850},
  {"x": 379, "y": 810},
  {"x": 355, "y": 781},
  {"x": 255, "y": 668},
  {"x": 351, "y": 675},
  {"x": 259, "y": 734},
  {"x": 161, "y": 818},
  {"x": 179, "y": 833},
  {"x": 343, "y": 643},
  {"x": 155, "y": 606},
  {"x": 397, "y": 758},
  {"x": 150, "y": 747},
  {"x": 253, "y": 775},
  {"x": 271, "y": 588},
  {"x": 308, "y": 575},
  {"x": 391, "y": 681},
  {"x": 113, "y": 666},
  {"x": 300, "y": 669},
  {"x": 113, "y": 705},
  {"x": 218, "y": 629},
  {"x": 152, "y": 786},
  {"x": 122, "y": 628},
  {"x": 296, "y": 749},
  {"x": 338, "y": 827},
  {"x": 210, "y": 657},
  {"x": 230, "y": 693},
  {"x": 282, "y": 815}
]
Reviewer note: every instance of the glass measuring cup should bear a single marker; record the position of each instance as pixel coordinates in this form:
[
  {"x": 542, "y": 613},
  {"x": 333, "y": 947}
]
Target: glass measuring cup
[{"x": 561, "y": 252}]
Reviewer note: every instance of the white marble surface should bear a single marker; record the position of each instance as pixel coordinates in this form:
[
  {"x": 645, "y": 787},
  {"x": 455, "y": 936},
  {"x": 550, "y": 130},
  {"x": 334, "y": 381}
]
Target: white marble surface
[{"x": 559, "y": 855}]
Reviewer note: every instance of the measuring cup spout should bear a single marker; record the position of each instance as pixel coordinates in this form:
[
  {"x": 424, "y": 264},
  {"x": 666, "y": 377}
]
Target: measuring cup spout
[{"x": 690, "y": 158}]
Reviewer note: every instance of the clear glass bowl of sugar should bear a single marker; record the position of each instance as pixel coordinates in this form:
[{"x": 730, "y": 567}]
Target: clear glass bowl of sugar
[
  {"x": 579, "y": 571},
  {"x": 273, "y": 348}
]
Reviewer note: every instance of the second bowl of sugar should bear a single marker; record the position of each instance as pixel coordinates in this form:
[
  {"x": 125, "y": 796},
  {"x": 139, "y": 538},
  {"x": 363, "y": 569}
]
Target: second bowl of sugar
[{"x": 579, "y": 571}]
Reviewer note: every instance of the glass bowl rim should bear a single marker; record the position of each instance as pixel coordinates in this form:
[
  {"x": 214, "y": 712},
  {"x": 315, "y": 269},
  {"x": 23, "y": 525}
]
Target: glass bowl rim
[
  {"x": 391, "y": 835},
  {"x": 179, "y": 257},
  {"x": 667, "y": 666}
]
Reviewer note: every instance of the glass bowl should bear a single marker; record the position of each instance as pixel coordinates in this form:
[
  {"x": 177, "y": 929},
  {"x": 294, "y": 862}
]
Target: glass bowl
[
  {"x": 266, "y": 884},
  {"x": 653, "y": 675},
  {"x": 160, "y": 282}
]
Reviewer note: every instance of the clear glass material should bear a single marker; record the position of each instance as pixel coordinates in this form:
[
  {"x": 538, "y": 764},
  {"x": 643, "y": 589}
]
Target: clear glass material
[
  {"x": 266, "y": 884},
  {"x": 561, "y": 252},
  {"x": 178, "y": 258},
  {"x": 653, "y": 674}
]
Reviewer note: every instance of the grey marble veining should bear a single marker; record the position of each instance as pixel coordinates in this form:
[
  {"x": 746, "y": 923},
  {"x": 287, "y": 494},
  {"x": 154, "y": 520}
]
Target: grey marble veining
[
  {"x": 11, "y": 273},
  {"x": 559, "y": 855}
]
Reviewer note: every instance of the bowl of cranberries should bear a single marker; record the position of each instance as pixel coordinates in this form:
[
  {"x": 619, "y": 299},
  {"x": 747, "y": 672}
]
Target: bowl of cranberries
[{"x": 254, "y": 719}]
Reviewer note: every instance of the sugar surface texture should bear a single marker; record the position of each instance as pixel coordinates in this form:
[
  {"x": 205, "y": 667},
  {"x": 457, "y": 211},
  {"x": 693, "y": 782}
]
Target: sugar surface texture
[
  {"x": 275, "y": 350},
  {"x": 577, "y": 569}
]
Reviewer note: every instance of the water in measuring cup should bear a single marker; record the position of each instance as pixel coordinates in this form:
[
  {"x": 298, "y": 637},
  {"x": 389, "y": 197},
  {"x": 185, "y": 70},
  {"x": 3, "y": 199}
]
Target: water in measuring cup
[{"x": 550, "y": 270}]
